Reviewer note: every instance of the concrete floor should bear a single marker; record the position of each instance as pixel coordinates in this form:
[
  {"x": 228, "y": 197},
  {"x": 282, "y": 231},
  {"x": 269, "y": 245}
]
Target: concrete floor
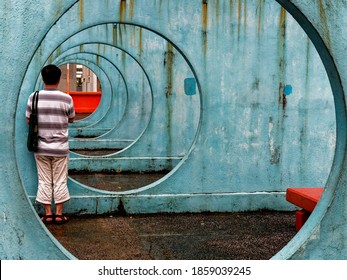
[
  {"x": 116, "y": 181},
  {"x": 212, "y": 236}
]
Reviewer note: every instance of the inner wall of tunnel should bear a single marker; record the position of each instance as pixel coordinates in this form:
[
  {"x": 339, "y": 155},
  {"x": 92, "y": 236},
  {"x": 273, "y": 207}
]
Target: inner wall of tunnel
[
  {"x": 115, "y": 100},
  {"x": 249, "y": 139},
  {"x": 164, "y": 44},
  {"x": 92, "y": 126},
  {"x": 139, "y": 109},
  {"x": 112, "y": 133},
  {"x": 69, "y": 51},
  {"x": 85, "y": 48}
]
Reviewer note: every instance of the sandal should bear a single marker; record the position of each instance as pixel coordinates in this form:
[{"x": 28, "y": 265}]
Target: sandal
[
  {"x": 61, "y": 219},
  {"x": 47, "y": 219}
]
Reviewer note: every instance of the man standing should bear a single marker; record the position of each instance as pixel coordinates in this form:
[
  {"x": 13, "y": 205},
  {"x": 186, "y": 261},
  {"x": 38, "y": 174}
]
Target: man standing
[{"x": 55, "y": 111}]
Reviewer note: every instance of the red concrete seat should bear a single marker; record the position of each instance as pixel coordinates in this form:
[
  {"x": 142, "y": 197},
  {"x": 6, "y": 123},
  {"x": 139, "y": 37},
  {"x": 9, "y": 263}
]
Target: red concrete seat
[
  {"x": 305, "y": 198},
  {"x": 85, "y": 102}
]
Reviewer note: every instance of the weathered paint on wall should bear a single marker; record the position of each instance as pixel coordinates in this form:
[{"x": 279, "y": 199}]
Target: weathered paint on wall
[{"x": 263, "y": 117}]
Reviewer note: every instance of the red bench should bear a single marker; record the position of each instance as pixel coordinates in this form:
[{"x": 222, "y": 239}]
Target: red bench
[
  {"x": 85, "y": 102},
  {"x": 305, "y": 198}
]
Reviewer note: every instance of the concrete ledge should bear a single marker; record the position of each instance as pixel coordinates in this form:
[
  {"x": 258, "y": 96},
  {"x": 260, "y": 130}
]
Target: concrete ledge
[
  {"x": 99, "y": 144},
  {"x": 136, "y": 164},
  {"x": 181, "y": 203},
  {"x": 86, "y": 132}
]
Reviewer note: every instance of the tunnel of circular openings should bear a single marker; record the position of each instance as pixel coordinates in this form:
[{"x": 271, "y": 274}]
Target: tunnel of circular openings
[
  {"x": 84, "y": 86},
  {"x": 129, "y": 99}
]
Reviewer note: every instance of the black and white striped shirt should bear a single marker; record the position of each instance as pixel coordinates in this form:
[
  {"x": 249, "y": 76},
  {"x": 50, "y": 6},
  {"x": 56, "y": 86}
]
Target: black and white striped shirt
[{"x": 55, "y": 108}]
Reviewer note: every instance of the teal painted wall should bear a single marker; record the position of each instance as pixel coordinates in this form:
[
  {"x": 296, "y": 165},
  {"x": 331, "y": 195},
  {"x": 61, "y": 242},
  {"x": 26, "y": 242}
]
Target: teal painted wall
[{"x": 268, "y": 110}]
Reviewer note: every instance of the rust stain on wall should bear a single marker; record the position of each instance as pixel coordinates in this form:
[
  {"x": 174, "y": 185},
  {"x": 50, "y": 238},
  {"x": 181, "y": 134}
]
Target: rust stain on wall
[
  {"x": 117, "y": 34},
  {"x": 50, "y": 59},
  {"x": 281, "y": 40},
  {"x": 122, "y": 10},
  {"x": 324, "y": 19},
  {"x": 283, "y": 19},
  {"x": 231, "y": 6},
  {"x": 260, "y": 10},
  {"x": 245, "y": 16},
  {"x": 217, "y": 11},
  {"x": 131, "y": 9},
  {"x": 282, "y": 97},
  {"x": 58, "y": 51},
  {"x": 168, "y": 64},
  {"x": 97, "y": 60},
  {"x": 114, "y": 34},
  {"x": 99, "y": 48},
  {"x": 204, "y": 14},
  {"x": 81, "y": 6},
  {"x": 281, "y": 56},
  {"x": 140, "y": 42},
  {"x": 204, "y": 24},
  {"x": 239, "y": 9}
]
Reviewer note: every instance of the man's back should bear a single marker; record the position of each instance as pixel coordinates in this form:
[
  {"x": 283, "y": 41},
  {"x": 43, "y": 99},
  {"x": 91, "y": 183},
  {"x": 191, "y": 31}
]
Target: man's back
[{"x": 55, "y": 108}]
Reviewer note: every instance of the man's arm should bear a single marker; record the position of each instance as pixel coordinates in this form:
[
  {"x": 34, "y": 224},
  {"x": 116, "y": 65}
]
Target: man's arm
[{"x": 27, "y": 120}]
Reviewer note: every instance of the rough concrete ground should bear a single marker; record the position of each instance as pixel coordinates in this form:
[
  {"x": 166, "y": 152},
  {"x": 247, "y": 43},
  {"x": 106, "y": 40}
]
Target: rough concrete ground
[{"x": 214, "y": 236}]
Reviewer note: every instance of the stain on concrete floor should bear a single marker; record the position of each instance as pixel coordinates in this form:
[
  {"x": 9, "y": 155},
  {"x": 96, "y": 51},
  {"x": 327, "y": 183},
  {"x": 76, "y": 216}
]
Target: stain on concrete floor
[{"x": 204, "y": 236}]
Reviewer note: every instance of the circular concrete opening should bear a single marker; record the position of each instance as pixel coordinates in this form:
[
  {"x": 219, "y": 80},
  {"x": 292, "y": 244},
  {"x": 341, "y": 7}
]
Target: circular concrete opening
[
  {"x": 293, "y": 247},
  {"x": 285, "y": 90},
  {"x": 174, "y": 105},
  {"x": 148, "y": 103}
]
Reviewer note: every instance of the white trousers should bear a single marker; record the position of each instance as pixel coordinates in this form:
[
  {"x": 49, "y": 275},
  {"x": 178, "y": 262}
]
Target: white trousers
[{"x": 52, "y": 179}]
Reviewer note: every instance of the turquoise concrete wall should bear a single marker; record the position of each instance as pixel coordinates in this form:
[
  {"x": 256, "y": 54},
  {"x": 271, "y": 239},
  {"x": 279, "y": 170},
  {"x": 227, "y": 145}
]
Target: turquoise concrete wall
[{"x": 267, "y": 112}]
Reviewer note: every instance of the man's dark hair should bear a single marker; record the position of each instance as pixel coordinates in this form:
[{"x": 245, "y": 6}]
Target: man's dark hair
[{"x": 51, "y": 74}]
